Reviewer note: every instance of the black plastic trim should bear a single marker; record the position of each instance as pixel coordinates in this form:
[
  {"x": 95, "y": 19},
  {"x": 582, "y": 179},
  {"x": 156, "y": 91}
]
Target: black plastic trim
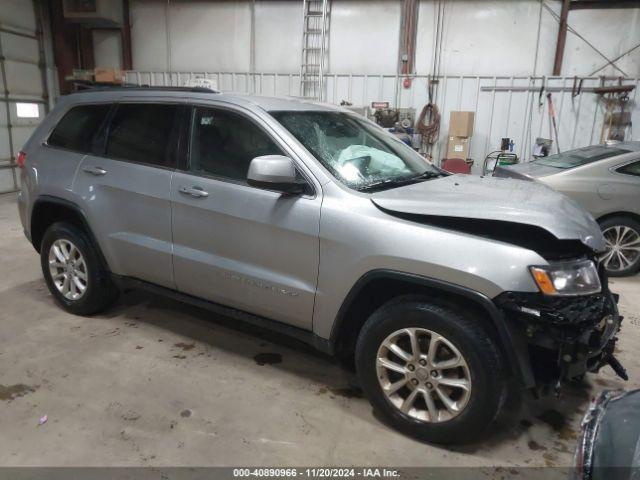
[
  {"x": 142, "y": 88},
  {"x": 72, "y": 206},
  {"x": 305, "y": 336},
  {"x": 517, "y": 357}
]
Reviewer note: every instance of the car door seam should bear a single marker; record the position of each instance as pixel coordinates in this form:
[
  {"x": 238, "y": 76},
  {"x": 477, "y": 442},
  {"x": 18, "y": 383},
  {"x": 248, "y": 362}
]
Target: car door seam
[
  {"x": 315, "y": 293},
  {"x": 75, "y": 173}
]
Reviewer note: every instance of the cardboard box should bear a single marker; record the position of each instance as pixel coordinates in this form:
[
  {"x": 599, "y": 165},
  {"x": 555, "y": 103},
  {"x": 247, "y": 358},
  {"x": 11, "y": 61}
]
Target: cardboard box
[
  {"x": 107, "y": 75},
  {"x": 458, "y": 147},
  {"x": 461, "y": 124}
]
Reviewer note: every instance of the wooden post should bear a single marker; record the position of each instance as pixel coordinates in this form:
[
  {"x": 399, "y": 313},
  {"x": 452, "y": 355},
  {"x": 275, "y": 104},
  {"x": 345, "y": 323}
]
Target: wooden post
[
  {"x": 127, "y": 57},
  {"x": 562, "y": 38},
  {"x": 65, "y": 43}
]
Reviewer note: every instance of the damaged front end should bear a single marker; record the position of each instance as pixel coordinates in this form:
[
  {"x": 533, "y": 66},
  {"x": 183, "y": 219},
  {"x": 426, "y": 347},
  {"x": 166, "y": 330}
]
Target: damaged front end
[
  {"x": 565, "y": 327},
  {"x": 569, "y": 326},
  {"x": 566, "y": 336}
]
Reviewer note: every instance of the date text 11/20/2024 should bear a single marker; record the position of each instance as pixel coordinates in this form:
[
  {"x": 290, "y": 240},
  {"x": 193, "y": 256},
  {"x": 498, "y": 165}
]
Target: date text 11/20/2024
[{"x": 316, "y": 472}]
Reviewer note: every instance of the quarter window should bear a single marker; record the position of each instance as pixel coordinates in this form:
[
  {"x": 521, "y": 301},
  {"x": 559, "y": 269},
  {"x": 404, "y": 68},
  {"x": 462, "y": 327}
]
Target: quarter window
[
  {"x": 79, "y": 127},
  {"x": 143, "y": 133},
  {"x": 223, "y": 143},
  {"x": 631, "y": 169}
]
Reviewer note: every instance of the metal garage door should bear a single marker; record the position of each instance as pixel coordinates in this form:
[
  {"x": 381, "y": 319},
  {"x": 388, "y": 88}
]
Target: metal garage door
[{"x": 23, "y": 103}]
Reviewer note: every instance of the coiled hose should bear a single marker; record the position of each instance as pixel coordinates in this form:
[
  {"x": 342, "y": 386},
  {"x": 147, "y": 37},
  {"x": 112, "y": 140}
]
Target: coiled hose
[{"x": 429, "y": 131}]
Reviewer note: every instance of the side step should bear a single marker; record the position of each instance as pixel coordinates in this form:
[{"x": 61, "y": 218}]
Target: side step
[{"x": 306, "y": 336}]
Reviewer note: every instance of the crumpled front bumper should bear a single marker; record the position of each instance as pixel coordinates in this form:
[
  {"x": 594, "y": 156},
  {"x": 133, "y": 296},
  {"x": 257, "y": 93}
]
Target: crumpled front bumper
[{"x": 565, "y": 337}]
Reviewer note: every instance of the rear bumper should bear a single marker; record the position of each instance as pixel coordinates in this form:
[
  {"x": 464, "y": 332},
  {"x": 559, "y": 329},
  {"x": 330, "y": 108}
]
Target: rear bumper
[
  {"x": 23, "y": 209},
  {"x": 564, "y": 337}
]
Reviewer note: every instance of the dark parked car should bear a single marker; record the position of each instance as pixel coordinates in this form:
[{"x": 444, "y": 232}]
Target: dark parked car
[{"x": 609, "y": 445}]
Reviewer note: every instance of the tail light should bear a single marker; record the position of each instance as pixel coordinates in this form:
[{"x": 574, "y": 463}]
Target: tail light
[{"x": 22, "y": 157}]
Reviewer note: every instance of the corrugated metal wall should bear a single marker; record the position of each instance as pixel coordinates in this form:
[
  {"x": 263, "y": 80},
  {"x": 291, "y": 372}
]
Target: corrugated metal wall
[
  {"x": 514, "y": 40},
  {"x": 499, "y": 113},
  {"x": 23, "y": 103},
  {"x": 488, "y": 37}
]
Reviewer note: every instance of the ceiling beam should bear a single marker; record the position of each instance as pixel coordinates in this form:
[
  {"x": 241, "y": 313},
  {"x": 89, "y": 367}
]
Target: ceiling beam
[{"x": 593, "y": 4}]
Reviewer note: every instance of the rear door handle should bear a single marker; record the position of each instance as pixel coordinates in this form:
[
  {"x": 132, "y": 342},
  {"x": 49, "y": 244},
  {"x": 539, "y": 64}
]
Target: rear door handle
[
  {"x": 95, "y": 170},
  {"x": 196, "y": 192}
]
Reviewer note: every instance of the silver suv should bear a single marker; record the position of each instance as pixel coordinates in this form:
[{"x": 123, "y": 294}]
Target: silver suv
[{"x": 444, "y": 290}]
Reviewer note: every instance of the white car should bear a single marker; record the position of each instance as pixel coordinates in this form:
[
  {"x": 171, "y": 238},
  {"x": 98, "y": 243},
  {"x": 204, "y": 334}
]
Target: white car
[{"x": 605, "y": 180}]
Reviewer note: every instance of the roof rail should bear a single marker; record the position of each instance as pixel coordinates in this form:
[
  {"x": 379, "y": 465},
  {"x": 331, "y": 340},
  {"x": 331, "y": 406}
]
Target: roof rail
[{"x": 128, "y": 87}]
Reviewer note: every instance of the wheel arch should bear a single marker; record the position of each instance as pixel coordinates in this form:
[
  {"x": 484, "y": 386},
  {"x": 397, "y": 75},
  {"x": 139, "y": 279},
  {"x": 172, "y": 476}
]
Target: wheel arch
[
  {"x": 606, "y": 216},
  {"x": 48, "y": 210},
  {"x": 377, "y": 287}
]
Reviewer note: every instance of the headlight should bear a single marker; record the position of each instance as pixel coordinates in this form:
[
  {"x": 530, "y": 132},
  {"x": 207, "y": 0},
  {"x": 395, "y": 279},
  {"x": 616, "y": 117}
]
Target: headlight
[{"x": 567, "y": 278}]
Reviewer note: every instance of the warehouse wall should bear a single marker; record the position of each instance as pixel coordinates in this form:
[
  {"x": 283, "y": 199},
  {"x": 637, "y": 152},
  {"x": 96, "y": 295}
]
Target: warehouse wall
[
  {"x": 481, "y": 40},
  {"x": 519, "y": 114},
  {"x": 107, "y": 48},
  {"x": 278, "y": 36},
  {"x": 364, "y": 36},
  {"x": 485, "y": 37},
  {"x": 612, "y": 31},
  {"x": 23, "y": 103}
]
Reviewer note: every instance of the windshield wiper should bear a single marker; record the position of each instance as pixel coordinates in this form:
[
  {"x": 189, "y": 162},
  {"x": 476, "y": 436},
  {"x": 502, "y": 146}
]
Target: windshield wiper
[
  {"x": 394, "y": 182},
  {"x": 428, "y": 175}
]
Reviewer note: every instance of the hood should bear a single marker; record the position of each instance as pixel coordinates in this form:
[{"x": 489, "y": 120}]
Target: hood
[
  {"x": 500, "y": 199},
  {"x": 525, "y": 171}
]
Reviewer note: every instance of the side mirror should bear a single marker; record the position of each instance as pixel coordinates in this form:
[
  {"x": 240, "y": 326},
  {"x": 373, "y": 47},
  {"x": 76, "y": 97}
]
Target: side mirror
[{"x": 274, "y": 172}]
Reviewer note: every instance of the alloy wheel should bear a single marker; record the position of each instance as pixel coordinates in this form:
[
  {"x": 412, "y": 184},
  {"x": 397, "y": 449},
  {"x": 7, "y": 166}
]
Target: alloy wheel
[
  {"x": 623, "y": 248},
  {"x": 423, "y": 375},
  {"x": 68, "y": 269}
]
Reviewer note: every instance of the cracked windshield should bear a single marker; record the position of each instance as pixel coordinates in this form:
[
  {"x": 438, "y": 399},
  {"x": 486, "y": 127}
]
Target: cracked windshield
[{"x": 356, "y": 152}]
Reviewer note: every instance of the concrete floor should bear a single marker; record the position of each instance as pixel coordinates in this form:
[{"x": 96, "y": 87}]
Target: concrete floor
[{"x": 154, "y": 382}]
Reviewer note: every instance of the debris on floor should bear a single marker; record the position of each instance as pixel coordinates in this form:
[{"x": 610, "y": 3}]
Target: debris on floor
[
  {"x": 268, "y": 358},
  {"x": 11, "y": 392}
]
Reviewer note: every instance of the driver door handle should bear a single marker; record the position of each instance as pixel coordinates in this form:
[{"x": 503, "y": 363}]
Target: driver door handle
[
  {"x": 94, "y": 170},
  {"x": 196, "y": 192}
]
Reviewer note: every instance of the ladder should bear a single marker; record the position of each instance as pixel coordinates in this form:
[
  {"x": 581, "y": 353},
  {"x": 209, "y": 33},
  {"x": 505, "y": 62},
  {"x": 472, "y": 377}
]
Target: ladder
[{"x": 315, "y": 42}]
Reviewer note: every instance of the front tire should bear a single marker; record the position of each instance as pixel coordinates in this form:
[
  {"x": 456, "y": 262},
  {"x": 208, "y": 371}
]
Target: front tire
[
  {"x": 73, "y": 271},
  {"x": 622, "y": 235},
  {"x": 432, "y": 373}
]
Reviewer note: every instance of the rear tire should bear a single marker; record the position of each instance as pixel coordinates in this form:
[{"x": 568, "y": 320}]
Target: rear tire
[
  {"x": 464, "y": 355},
  {"x": 623, "y": 246},
  {"x": 72, "y": 269}
]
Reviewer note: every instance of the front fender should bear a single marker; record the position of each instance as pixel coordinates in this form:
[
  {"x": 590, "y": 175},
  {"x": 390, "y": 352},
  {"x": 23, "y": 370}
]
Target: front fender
[{"x": 511, "y": 343}]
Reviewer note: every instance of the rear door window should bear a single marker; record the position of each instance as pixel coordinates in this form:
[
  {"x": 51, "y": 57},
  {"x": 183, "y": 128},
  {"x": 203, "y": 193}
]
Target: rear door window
[
  {"x": 79, "y": 127},
  {"x": 144, "y": 133}
]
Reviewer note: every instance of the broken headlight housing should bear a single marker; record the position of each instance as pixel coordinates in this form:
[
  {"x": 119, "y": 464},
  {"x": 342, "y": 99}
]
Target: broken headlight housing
[{"x": 578, "y": 277}]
